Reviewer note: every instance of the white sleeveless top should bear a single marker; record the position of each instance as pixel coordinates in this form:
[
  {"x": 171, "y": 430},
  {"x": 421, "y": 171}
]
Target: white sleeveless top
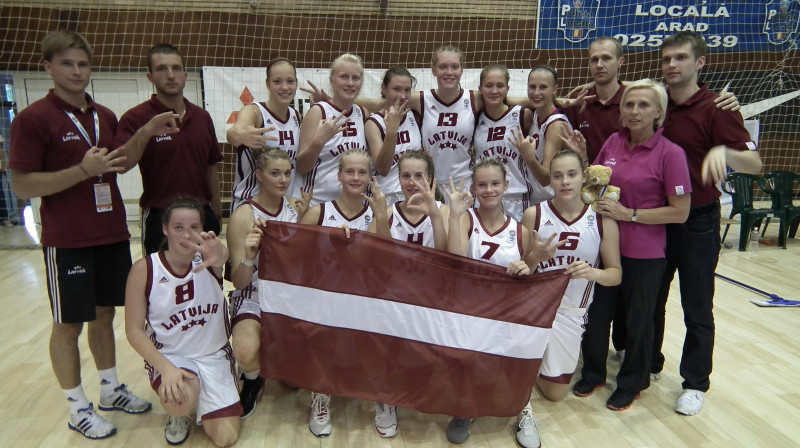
[
  {"x": 584, "y": 235},
  {"x": 188, "y": 314},
  {"x": 409, "y": 138},
  {"x": 331, "y": 216},
  {"x": 492, "y": 141},
  {"x": 245, "y": 184},
  {"x": 322, "y": 176},
  {"x": 541, "y": 192},
  {"x": 447, "y": 131},
  {"x": 419, "y": 232},
  {"x": 500, "y": 248},
  {"x": 285, "y": 214}
]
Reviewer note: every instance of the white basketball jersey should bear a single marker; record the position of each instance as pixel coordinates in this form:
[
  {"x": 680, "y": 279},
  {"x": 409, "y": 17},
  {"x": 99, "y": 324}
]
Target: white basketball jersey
[
  {"x": 322, "y": 176},
  {"x": 539, "y": 192},
  {"x": 402, "y": 229},
  {"x": 285, "y": 214},
  {"x": 583, "y": 236},
  {"x": 245, "y": 184},
  {"x": 500, "y": 248},
  {"x": 187, "y": 315},
  {"x": 331, "y": 216},
  {"x": 447, "y": 131},
  {"x": 492, "y": 141},
  {"x": 409, "y": 138}
]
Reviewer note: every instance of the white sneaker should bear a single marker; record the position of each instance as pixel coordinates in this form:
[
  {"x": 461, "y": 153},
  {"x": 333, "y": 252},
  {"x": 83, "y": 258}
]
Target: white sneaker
[
  {"x": 90, "y": 424},
  {"x": 385, "y": 420},
  {"x": 655, "y": 376},
  {"x": 527, "y": 433},
  {"x": 124, "y": 400},
  {"x": 177, "y": 430},
  {"x": 690, "y": 402},
  {"x": 319, "y": 423}
]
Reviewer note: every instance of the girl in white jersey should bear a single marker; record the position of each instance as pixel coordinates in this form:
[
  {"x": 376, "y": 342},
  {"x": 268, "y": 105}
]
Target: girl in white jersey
[
  {"x": 176, "y": 319},
  {"x": 491, "y": 140},
  {"x": 420, "y": 217},
  {"x": 485, "y": 234},
  {"x": 544, "y": 141},
  {"x": 275, "y": 124},
  {"x": 330, "y": 128},
  {"x": 347, "y": 212},
  {"x": 273, "y": 170},
  {"x": 393, "y": 130},
  {"x": 583, "y": 238}
]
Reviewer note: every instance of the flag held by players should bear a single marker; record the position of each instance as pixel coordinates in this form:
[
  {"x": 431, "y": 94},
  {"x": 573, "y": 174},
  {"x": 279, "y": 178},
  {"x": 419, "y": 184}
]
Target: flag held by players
[{"x": 378, "y": 319}]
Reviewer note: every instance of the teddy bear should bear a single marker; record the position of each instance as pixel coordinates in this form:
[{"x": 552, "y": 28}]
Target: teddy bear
[{"x": 597, "y": 178}]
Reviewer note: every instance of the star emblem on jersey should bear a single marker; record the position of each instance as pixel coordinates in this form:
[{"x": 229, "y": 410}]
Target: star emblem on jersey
[
  {"x": 449, "y": 145},
  {"x": 201, "y": 322}
]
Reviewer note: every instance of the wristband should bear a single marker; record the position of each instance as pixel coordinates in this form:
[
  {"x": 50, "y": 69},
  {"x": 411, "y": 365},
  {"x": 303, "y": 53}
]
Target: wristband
[{"x": 248, "y": 262}]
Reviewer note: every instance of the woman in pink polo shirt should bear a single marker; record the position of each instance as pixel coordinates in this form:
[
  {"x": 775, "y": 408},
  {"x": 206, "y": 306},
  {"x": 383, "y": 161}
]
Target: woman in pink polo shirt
[{"x": 654, "y": 178}]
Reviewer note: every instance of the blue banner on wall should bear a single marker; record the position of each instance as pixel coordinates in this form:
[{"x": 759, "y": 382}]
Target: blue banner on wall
[{"x": 766, "y": 25}]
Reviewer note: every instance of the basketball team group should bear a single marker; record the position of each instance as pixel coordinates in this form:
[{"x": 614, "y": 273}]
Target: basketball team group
[{"x": 472, "y": 172}]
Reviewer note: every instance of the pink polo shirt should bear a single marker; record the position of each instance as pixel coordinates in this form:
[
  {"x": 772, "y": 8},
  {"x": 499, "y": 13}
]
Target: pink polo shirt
[{"x": 646, "y": 174}]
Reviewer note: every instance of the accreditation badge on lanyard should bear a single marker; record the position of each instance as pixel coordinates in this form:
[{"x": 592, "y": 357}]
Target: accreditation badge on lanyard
[{"x": 102, "y": 190}]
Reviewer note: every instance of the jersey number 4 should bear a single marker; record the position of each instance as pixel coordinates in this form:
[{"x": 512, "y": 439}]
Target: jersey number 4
[{"x": 184, "y": 293}]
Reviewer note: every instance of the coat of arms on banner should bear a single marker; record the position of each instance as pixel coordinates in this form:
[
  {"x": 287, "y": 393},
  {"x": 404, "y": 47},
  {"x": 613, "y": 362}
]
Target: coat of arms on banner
[
  {"x": 577, "y": 18},
  {"x": 782, "y": 20}
]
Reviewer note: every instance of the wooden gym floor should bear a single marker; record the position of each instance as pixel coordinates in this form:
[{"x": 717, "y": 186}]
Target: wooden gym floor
[{"x": 754, "y": 399}]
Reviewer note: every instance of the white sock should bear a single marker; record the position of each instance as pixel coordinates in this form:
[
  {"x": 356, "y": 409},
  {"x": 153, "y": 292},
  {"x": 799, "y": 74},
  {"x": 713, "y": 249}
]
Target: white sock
[
  {"x": 108, "y": 381},
  {"x": 76, "y": 398},
  {"x": 252, "y": 375}
]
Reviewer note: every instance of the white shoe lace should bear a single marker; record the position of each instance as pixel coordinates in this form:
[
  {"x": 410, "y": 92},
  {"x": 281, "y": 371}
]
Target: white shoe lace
[
  {"x": 321, "y": 406},
  {"x": 528, "y": 423},
  {"x": 178, "y": 425}
]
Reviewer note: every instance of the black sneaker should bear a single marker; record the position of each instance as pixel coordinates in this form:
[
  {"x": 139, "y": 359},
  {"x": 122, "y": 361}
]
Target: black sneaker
[
  {"x": 621, "y": 399},
  {"x": 584, "y": 388},
  {"x": 250, "y": 394}
]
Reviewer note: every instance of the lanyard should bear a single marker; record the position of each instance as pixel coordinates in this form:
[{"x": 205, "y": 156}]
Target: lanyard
[
  {"x": 82, "y": 130},
  {"x": 85, "y": 134}
]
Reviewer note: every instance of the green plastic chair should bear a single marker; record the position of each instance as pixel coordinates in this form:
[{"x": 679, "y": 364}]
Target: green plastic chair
[
  {"x": 740, "y": 187},
  {"x": 780, "y": 186}
]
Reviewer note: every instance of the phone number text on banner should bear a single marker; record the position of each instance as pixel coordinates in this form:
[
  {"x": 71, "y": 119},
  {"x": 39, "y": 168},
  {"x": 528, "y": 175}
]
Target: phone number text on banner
[{"x": 771, "y": 25}]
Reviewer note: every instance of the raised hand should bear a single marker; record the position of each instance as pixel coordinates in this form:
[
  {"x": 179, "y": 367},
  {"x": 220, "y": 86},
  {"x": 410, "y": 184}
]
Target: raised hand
[
  {"x": 329, "y": 127},
  {"x": 574, "y": 140},
  {"x": 211, "y": 249},
  {"x": 254, "y": 137},
  {"x": 163, "y": 123},
  {"x": 424, "y": 200},
  {"x": 460, "y": 200},
  {"x": 97, "y": 161},
  {"x": 301, "y": 204},
  {"x": 316, "y": 93},
  {"x": 377, "y": 202},
  {"x": 252, "y": 241},
  {"x": 395, "y": 114},
  {"x": 727, "y": 100},
  {"x": 525, "y": 145},
  {"x": 544, "y": 250}
]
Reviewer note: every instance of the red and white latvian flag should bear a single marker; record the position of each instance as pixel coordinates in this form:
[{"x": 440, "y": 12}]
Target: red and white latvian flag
[{"x": 377, "y": 319}]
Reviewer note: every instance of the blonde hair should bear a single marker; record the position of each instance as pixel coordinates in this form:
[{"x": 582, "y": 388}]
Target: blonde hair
[
  {"x": 447, "y": 49},
  {"x": 356, "y": 152},
  {"x": 347, "y": 57},
  {"x": 659, "y": 92},
  {"x": 62, "y": 40}
]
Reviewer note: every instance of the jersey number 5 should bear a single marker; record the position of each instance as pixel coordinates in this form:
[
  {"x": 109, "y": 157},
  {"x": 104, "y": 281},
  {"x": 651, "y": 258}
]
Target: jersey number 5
[
  {"x": 572, "y": 240},
  {"x": 184, "y": 293}
]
